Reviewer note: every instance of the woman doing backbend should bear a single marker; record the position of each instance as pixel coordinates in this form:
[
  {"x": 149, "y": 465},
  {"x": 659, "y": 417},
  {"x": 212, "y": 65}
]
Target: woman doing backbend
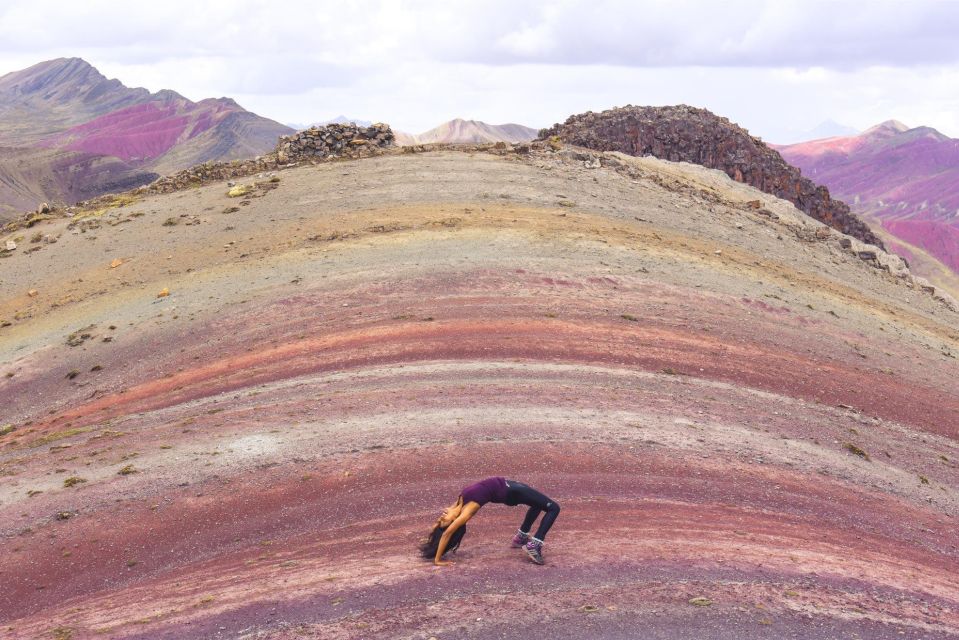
[{"x": 448, "y": 532}]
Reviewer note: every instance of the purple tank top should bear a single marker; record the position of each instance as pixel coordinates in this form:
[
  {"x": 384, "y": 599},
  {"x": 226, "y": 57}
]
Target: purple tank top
[{"x": 489, "y": 490}]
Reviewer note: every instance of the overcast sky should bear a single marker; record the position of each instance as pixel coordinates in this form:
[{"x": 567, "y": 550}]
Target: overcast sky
[{"x": 778, "y": 68}]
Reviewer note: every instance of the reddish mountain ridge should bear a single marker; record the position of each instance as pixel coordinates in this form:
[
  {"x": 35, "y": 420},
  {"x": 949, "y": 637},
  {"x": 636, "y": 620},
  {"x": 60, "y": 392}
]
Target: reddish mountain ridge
[
  {"x": 907, "y": 180},
  {"x": 66, "y": 105},
  {"x": 55, "y": 95},
  {"x": 32, "y": 175},
  {"x": 687, "y": 134},
  {"x": 141, "y": 131}
]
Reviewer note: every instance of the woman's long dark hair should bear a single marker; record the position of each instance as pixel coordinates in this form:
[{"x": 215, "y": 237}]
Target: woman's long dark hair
[{"x": 428, "y": 548}]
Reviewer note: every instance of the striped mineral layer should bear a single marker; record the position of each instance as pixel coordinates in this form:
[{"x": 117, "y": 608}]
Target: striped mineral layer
[{"x": 237, "y": 417}]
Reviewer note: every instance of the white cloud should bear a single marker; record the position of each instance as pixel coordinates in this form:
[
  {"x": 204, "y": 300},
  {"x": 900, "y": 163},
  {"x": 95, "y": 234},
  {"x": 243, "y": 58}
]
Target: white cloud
[
  {"x": 776, "y": 67},
  {"x": 733, "y": 33}
]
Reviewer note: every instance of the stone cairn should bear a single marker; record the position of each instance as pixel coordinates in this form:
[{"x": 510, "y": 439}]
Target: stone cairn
[
  {"x": 310, "y": 145},
  {"x": 334, "y": 141}
]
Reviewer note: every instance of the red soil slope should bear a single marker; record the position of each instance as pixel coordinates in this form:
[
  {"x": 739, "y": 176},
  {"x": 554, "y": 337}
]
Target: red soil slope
[
  {"x": 136, "y": 133},
  {"x": 727, "y": 406},
  {"x": 147, "y": 131},
  {"x": 905, "y": 179},
  {"x": 30, "y": 176}
]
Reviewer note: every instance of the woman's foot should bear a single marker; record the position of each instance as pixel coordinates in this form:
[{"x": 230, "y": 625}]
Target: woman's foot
[
  {"x": 534, "y": 549},
  {"x": 519, "y": 540}
]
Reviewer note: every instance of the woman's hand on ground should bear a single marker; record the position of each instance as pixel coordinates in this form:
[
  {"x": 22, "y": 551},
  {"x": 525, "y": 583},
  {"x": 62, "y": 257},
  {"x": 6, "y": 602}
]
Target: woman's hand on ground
[{"x": 442, "y": 563}]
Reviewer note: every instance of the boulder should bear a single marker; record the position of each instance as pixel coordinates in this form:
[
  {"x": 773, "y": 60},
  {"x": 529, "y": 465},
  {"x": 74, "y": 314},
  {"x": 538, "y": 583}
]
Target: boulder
[
  {"x": 862, "y": 250},
  {"x": 947, "y": 300},
  {"x": 924, "y": 285},
  {"x": 893, "y": 264}
]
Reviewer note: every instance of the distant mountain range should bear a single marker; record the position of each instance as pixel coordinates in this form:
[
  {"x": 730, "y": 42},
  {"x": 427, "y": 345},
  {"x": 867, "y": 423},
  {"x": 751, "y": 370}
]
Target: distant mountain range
[
  {"x": 69, "y": 133},
  {"x": 341, "y": 119},
  {"x": 904, "y": 180},
  {"x": 456, "y": 131},
  {"x": 469, "y": 131}
]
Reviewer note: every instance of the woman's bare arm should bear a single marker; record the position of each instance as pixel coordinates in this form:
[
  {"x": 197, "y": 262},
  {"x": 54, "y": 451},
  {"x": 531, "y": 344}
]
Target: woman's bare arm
[{"x": 469, "y": 510}]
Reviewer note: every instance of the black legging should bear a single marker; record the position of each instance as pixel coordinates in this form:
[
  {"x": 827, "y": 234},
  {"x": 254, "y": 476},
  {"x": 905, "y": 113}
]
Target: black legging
[{"x": 519, "y": 493}]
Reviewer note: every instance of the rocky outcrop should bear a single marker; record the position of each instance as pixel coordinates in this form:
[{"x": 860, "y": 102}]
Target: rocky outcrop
[
  {"x": 687, "y": 134},
  {"x": 310, "y": 145},
  {"x": 334, "y": 140}
]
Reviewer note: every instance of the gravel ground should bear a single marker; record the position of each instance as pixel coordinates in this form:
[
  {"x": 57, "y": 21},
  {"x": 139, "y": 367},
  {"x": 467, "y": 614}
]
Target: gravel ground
[{"x": 726, "y": 405}]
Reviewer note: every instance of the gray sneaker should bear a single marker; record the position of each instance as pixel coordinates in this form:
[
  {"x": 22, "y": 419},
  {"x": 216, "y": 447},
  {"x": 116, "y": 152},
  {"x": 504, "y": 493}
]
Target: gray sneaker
[{"x": 534, "y": 549}]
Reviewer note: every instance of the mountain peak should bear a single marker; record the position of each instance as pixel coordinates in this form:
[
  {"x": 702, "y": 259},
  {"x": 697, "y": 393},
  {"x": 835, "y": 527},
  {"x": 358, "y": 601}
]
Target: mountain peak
[
  {"x": 50, "y": 73},
  {"x": 459, "y": 130},
  {"x": 60, "y": 64},
  {"x": 68, "y": 63},
  {"x": 168, "y": 95},
  {"x": 54, "y": 95},
  {"x": 889, "y": 127},
  {"x": 930, "y": 133},
  {"x": 342, "y": 119}
]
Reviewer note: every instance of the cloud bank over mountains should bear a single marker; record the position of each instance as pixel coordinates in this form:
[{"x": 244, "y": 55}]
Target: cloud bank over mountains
[
  {"x": 425, "y": 62},
  {"x": 728, "y": 34}
]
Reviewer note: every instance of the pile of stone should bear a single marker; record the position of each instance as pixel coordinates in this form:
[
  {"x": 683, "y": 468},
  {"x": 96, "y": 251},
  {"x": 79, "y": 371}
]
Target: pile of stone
[
  {"x": 333, "y": 141},
  {"x": 206, "y": 173},
  {"x": 311, "y": 145},
  {"x": 687, "y": 134}
]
